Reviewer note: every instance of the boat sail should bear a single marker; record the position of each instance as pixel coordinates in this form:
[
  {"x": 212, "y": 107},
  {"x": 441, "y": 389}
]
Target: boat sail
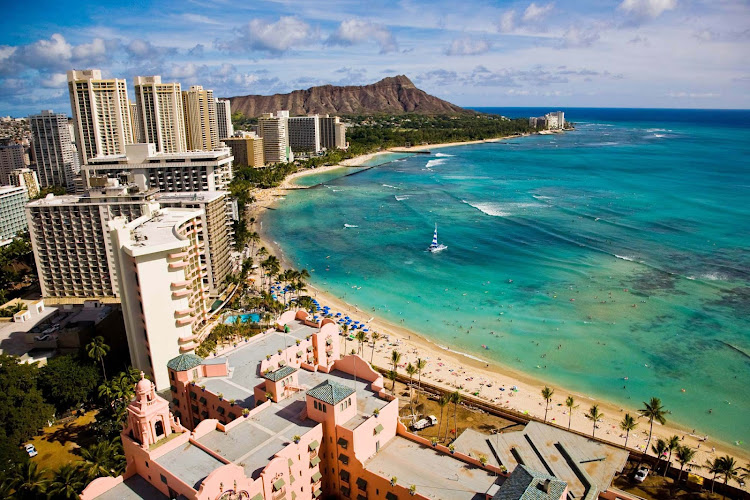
[{"x": 435, "y": 246}]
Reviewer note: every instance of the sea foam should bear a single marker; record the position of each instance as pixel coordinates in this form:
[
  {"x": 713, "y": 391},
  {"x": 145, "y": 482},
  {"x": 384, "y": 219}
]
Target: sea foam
[
  {"x": 435, "y": 163},
  {"x": 444, "y": 155}
]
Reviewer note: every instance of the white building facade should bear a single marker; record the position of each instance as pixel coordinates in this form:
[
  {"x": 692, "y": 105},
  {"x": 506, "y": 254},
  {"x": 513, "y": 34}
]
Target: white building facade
[
  {"x": 160, "y": 114},
  {"x": 164, "y": 299},
  {"x": 101, "y": 114},
  {"x": 12, "y": 216}
]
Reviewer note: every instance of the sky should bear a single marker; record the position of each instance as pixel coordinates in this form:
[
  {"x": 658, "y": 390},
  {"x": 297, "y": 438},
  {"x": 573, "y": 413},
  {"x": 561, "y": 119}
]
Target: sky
[{"x": 584, "y": 53}]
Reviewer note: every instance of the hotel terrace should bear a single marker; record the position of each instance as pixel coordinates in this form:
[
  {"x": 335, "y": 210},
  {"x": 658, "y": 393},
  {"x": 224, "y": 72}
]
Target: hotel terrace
[{"x": 284, "y": 416}]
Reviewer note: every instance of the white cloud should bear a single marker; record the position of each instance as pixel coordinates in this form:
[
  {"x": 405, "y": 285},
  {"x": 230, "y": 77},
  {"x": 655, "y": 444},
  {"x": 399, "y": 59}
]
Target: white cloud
[
  {"x": 286, "y": 33},
  {"x": 355, "y": 31},
  {"x": 647, "y": 8},
  {"x": 55, "y": 81},
  {"x": 535, "y": 12},
  {"x": 507, "y": 21},
  {"x": 467, "y": 47},
  {"x": 692, "y": 95},
  {"x": 575, "y": 37}
]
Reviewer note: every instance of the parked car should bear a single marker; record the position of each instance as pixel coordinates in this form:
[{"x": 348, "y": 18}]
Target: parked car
[
  {"x": 31, "y": 450},
  {"x": 641, "y": 475},
  {"x": 425, "y": 422}
]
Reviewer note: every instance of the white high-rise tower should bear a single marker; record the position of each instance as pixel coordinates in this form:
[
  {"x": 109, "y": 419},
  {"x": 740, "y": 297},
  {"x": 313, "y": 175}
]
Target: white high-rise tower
[
  {"x": 160, "y": 113},
  {"x": 101, "y": 114}
]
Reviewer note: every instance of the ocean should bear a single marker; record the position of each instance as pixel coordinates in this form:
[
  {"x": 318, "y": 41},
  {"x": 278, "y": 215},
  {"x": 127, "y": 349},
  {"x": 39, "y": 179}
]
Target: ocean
[{"x": 611, "y": 260}]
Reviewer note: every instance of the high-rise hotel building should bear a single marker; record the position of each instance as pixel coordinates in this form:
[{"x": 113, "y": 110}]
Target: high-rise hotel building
[
  {"x": 199, "y": 108},
  {"x": 224, "y": 118},
  {"x": 164, "y": 297},
  {"x": 274, "y": 130},
  {"x": 57, "y": 163},
  {"x": 101, "y": 114},
  {"x": 304, "y": 134},
  {"x": 70, "y": 237},
  {"x": 160, "y": 114}
]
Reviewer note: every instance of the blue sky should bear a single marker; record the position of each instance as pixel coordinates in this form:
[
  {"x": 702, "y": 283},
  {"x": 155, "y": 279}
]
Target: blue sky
[{"x": 619, "y": 53}]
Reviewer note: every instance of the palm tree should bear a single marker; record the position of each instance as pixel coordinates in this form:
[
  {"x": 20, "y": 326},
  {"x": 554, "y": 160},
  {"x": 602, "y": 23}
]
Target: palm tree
[
  {"x": 392, "y": 375},
  {"x": 101, "y": 459},
  {"x": 66, "y": 483},
  {"x": 361, "y": 339},
  {"x": 411, "y": 370},
  {"x": 653, "y": 410},
  {"x": 547, "y": 395},
  {"x": 660, "y": 449},
  {"x": 375, "y": 336},
  {"x": 684, "y": 455},
  {"x": 254, "y": 238},
  {"x": 421, "y": 364},
  {"x": 729, "y": 468},
  {"x": 97, "y": 349},
  {"x": 628, "y": 424},
  {"x": 595, "y": 416},
  {"x": 571, "y": 404},
  {"x": 455, "y": 399},
  {"x": 672, "y": 444},
  {"x": 714, "y": 467},
  {"x": 395, "y": 359},
  {"x": 442, "y": 403},
  {"x": 28, "y": 481}
]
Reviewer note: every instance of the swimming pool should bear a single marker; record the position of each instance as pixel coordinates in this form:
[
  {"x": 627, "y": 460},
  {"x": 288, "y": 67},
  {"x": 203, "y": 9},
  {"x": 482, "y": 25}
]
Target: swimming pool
[{"x": 245, "y": 318}]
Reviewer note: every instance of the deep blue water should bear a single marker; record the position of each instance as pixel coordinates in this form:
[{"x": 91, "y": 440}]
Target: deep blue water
[{"x": 624, "y": 242}]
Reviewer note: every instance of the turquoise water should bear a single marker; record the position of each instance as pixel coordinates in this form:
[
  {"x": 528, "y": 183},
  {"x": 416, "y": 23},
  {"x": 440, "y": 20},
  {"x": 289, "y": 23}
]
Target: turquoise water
[
  {"x": 243, "y": 318},
  {"x": 623, "y": 243}
]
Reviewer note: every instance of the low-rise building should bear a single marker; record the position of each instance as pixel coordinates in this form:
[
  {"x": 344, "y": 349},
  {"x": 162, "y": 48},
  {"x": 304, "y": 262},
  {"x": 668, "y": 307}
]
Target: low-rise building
[
  {"x": 247, "y": 149},
  {"x": 12, "y": 217},
  {"x": 283, "y": 416}
]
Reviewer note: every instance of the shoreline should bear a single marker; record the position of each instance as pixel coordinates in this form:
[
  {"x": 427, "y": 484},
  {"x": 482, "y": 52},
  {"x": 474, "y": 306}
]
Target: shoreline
[{"x": 451, "y": 369}]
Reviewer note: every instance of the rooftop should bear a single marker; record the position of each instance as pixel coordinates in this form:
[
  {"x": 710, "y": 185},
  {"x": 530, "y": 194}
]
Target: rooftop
[
  {"x": 184, "y": 362},
  {"x": 133, "y": 488},
  {"x": 159, "y": 230},
  {"x": 195, "y": 196},
  {"x": 435, "y": 474},
  {"x": 282, "y": 372},
  {"x": 330, "y": 392},
  {"x": 567, "y": 456},
  {"x": 189, "y": 464},
  {"x": 254, "y": 441},
  {"x": 528, "y": 484}
]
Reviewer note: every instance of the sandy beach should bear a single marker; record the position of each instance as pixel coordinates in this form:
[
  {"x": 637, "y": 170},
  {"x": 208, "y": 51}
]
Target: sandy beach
[{"x": 492, "y": 382}]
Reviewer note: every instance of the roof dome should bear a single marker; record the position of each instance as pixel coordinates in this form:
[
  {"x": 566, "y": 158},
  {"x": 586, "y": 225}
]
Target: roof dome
[
  {"x": 184, "y": 362},
  {"x": 144, "y": 385}
]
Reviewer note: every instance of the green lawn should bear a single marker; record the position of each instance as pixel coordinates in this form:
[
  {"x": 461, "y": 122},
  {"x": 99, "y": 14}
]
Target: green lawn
[{"x": 57, "y": 445}]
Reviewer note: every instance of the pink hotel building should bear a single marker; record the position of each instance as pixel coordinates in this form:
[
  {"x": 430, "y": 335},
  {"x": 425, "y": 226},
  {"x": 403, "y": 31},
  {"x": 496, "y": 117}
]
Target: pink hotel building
[{"x": 284, "y": 416}]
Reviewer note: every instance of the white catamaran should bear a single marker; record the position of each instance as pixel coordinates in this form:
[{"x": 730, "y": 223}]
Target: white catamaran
[{"x": 435, "y": 246}]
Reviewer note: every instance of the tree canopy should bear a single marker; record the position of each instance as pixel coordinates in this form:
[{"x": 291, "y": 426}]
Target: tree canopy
[
  {"x": 22, "y": 408},
  {"x": 65, "y": 382}
]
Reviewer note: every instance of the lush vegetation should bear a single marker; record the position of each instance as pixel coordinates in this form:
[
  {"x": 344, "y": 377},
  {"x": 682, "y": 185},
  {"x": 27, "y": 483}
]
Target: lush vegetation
[
  {"x": 56, "y": 190},
  {"x": 370, "y": 133},
  {"x": 16, "y": 267},
  {"x": 31, "y": 397}
]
